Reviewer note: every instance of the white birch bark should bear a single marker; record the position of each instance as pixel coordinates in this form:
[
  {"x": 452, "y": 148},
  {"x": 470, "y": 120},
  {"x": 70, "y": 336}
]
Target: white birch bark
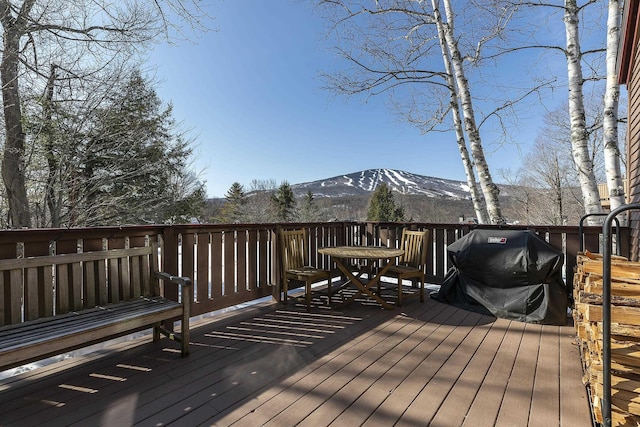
[
  {"x": 489, "y": 188},
  {"x": 579, "y": 135},
  {"x": 479, "y": 205},
  {"x": 610, "y": 122}
]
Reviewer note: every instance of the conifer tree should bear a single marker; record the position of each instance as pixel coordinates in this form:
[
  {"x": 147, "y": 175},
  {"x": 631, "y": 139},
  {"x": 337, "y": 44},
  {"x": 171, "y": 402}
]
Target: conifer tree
[
  {"x": 309, "y": 211},
  {"x": 285, "y": 202},
  {"x": 82, "y": 37},
  {"x": 382, "y": 206},
  {"x": 233, "y": 211},
  {"x": 132, "y": 167}
]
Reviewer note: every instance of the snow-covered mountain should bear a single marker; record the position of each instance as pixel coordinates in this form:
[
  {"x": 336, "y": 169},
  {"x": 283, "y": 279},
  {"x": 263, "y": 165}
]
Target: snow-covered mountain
[{"x": 365, "y": 182}]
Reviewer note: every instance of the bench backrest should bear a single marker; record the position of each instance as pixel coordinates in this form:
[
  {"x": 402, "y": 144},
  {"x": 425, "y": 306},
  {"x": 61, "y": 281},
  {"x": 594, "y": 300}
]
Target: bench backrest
[{"x": 43, "y": 286}]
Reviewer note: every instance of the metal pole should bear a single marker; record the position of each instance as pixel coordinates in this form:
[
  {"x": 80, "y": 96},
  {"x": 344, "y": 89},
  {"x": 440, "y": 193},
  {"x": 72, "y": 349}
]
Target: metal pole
[{"x": 581, "y": 231}]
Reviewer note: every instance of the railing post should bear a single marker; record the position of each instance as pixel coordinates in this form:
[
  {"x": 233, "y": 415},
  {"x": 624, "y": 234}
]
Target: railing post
[
  {"x": 170, "y": 250},
  {"x": 276, "y": 264}
]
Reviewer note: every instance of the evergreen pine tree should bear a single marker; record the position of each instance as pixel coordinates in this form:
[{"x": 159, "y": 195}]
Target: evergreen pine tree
[
  {"x": 133, "y": 166},
  {"x": 232, "y": 211},
  {"x": 284, "y": 202},
  {"x": 309, "y": 211},
  {"x": 382, "y": 206}
]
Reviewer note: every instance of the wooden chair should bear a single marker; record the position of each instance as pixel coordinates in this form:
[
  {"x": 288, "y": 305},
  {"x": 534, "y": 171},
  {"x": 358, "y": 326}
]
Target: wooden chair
[
  {"x": 294, "y": 256},
  {"x": 411, "y": 265}
]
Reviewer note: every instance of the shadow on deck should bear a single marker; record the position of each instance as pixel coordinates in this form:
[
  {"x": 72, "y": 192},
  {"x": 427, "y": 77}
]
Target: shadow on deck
[{"x": 422, "y": 364}]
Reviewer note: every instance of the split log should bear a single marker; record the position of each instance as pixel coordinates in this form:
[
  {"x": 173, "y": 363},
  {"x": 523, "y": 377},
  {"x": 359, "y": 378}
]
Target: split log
[
  {"x": 625, "y": 329},
  {"x": 595, "y": 298}
]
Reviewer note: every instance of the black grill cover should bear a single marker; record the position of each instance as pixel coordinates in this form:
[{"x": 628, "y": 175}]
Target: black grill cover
[{"x": 512, "y": 274}]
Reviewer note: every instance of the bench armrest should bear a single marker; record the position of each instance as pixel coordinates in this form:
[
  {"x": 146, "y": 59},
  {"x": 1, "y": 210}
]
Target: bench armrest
[
  {"x": 186, "y": 301},
  {"x": 182, "y": 281},
  {"x": 185, "y": 284}
]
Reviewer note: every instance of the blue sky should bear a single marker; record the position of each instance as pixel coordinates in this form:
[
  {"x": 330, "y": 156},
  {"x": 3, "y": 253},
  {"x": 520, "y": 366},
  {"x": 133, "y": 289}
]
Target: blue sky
[{"x": 251, "y": 95}]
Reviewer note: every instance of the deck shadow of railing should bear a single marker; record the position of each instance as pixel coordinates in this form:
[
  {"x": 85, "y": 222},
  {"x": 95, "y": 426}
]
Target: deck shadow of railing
[
  {"x": 243, "y": 357},
  {"x": 293, "y": 362}
]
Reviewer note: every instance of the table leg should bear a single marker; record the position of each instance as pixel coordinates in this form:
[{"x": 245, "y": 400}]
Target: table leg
[{"x": 362, "y": 288}]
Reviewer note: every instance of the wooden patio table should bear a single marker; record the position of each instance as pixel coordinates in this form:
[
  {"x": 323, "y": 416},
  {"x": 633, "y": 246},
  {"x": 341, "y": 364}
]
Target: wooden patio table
[{"x": 374, "y": 253}]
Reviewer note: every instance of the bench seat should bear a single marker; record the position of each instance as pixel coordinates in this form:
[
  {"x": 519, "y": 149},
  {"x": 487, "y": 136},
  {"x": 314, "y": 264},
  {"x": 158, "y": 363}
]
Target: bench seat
[{"x": 46, "y": 337}]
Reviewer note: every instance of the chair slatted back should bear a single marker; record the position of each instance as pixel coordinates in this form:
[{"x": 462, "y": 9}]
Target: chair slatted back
[
  {"x": 414, "y": 244},
  {"x": 293, "y": 249}
]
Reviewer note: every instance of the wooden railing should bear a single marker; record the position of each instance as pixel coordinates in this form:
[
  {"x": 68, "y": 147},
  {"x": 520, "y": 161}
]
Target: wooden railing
[{"x": 234, "y": 264}]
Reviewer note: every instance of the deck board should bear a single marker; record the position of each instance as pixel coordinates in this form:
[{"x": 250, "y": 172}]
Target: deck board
[
  {"x": 464, "y": 391},
  {"x": 337, "y": 373},
  {"x": 456, "y": 353},
  {"x": 545, "y": 403},
  {"x": 402, "y": 362},
  {"x": 488, "y": 399},
  {"x": 515, "y": 406},
  {"x": 423, "y": 368},
  {"x": 571, "y": 409},
  {"x": 422, "y": 364},
  {"x": 384, "y": 353}
]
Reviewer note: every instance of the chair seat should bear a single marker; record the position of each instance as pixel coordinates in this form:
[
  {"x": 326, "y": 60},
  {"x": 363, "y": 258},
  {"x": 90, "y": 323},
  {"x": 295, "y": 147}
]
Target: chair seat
[
  {"x": 307, "y": 273},
  {"x": 404, "y": 270}
]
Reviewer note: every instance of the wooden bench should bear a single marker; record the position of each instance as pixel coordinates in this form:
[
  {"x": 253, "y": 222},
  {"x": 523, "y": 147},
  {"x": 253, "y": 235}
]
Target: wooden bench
[{"x": 53, "y": 304}]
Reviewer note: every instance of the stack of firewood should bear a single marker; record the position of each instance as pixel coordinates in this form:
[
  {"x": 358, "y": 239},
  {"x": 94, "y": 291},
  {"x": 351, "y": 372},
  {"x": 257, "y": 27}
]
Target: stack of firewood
[{"x": 625, "y": 332}]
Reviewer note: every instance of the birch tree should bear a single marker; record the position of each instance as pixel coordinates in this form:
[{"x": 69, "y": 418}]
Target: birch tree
[
  {"x": 610, "y": 117},
  {"x": 578, "y": 60},
  {"x": 548, "y": 171},
  {"x": 401, "y": 52},
  {"x": 489, "y": 188},
  {"x": 479, "y": 205},
  {"x": 80, "y": 36},
  {"x": 579, "y": 134}
]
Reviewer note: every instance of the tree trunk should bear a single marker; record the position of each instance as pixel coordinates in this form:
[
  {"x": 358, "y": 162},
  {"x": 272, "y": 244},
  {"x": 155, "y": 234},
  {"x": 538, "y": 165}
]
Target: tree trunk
[
  {"x": 579, "y": 135},
  {"x": 489, "y": 188},
  {"x": 557, "y": 187},
  {"x": 13, "y": 161},
  {"x": 479, "y": 205},
  {"x": 610, "y": 118},
  {"x": 52, "y": 197}
]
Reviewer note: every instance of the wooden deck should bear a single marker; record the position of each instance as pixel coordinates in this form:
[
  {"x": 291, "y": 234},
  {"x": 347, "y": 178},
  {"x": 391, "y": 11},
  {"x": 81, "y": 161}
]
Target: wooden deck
[{"x": 423, "y": 364}]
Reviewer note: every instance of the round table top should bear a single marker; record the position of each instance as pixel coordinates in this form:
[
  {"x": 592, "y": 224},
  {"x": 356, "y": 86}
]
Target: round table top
[{"x": 361, "y": 252}]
